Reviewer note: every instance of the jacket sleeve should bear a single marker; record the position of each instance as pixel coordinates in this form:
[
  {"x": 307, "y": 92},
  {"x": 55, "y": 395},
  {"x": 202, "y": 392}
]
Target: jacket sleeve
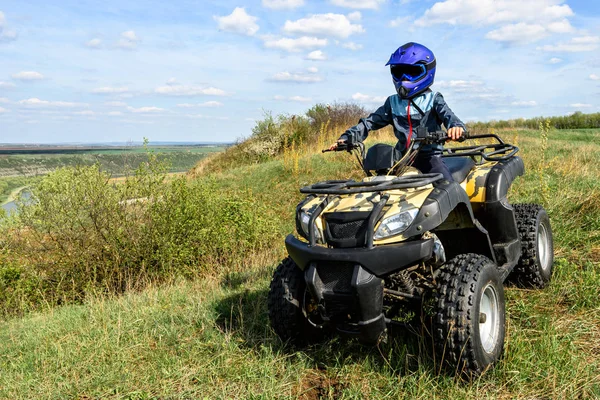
[
  {"x": 380, "y": 118},
  {"x": 445, "y": 114}
]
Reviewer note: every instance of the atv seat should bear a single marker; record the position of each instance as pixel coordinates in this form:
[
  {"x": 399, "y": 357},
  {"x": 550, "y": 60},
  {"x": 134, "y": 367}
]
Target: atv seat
[{"x": 459, "y": 167}]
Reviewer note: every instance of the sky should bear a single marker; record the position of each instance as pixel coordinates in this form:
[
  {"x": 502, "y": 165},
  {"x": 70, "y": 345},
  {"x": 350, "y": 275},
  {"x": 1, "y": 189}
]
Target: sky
[{"x": 101, "y": 71}]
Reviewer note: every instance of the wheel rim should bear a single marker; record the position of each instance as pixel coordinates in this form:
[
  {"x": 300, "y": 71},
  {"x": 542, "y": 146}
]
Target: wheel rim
[
  {"x": 489, "y": 321},
  {"x": 543, "y": 247}
]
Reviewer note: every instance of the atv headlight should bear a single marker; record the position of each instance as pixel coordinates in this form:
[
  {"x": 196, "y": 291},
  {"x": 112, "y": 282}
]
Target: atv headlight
[
  {"x": 395, "y": 224},
  {"x": 304, "y": 221}
]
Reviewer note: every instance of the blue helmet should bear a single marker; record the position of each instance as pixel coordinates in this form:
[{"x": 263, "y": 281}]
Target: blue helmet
[{"x": 413, "y": 69}]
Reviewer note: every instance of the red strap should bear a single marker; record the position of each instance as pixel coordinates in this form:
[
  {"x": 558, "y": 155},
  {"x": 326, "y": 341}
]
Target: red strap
[{"x": 409, "y": 126}]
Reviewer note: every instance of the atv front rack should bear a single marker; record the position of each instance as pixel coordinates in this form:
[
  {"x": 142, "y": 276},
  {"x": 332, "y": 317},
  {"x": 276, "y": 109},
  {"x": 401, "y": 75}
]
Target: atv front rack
[
  {"x": 500, "y": 151},
  {"x": 351, "y": 186}
]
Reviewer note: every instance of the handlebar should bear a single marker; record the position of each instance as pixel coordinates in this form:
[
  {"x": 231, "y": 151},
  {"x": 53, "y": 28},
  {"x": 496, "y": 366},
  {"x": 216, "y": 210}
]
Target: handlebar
[{"x": 426, "y": 138}]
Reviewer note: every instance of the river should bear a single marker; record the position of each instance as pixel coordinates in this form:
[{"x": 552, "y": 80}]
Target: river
[{"x": 11, "y": 206}]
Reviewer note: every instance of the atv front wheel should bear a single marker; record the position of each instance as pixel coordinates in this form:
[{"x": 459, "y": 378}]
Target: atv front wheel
[
  {"x": 470, "y": 316},
  {"x": 534, "y": 269},
  {"x": 292, "y": 312}
]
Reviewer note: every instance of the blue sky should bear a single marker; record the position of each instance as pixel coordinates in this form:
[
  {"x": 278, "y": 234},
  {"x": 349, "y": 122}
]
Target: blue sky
[{"x": 89, "y": 71}]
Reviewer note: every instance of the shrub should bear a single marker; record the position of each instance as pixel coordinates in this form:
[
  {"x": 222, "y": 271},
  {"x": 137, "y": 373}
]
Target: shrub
[{"x": 81, "y": 233}]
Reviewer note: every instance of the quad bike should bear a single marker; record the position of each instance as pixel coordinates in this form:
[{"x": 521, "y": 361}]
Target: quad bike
[{"x": 371, "y": 249}]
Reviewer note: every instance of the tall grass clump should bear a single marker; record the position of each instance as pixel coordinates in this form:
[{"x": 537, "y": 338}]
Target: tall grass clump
[
  {"x": 83, "y": 234},
  {"x": 544, "y": 190},
  {"x": 273, "y": 136}
]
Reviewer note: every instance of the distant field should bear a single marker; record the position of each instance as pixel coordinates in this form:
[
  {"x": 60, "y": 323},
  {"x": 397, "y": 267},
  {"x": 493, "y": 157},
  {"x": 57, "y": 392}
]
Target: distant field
[{"x": 22, "y": 165}]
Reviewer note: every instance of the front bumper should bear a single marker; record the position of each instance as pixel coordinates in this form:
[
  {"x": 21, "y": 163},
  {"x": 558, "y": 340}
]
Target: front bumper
[
  {"x": 380, "y": 260},
  {"x": 347, "y": 284}
]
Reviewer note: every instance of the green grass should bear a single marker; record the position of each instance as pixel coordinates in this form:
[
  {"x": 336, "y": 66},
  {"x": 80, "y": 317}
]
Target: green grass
[{"x": 210, "y": 338}]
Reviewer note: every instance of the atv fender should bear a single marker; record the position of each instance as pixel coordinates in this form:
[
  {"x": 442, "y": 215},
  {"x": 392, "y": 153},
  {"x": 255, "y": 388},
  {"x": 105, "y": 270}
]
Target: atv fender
[{"x": 447, "y": 211}]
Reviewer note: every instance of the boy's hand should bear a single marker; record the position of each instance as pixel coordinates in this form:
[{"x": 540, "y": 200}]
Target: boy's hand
[
  {"x": 455, "y": 133},
  {"x": 336, "y": 144}
]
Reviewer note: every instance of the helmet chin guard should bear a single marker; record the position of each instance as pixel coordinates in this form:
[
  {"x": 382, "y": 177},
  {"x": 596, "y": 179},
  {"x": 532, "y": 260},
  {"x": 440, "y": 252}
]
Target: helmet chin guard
[{"x": 413, "y": 69}]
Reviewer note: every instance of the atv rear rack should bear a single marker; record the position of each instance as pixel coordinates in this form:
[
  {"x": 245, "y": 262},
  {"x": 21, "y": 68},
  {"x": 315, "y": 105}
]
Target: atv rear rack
[
  {"x": 351, "y": 186},
  {"x": 500, "y": 151}
]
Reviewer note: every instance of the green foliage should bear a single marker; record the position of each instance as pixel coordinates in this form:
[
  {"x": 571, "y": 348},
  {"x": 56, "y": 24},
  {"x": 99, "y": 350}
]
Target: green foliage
[
  {"x": 577, "y": 120},
  {"x": 81, "y": 234}
]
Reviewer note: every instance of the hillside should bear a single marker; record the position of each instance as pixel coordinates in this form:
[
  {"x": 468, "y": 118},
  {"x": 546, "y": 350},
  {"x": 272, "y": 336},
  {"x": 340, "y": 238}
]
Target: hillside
[{"x": 206, "y": 334}]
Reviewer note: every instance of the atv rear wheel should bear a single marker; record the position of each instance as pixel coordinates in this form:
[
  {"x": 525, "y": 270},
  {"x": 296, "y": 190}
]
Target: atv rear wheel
[
  {"x": 534, "y": 269},
  {"x": 470, "y": 315},
  {"x": 292, "y": 312}
]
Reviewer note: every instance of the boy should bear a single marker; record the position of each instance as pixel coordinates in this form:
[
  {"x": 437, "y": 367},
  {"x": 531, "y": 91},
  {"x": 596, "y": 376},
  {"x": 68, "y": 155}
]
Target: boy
[{"x": 413, "y": 70}]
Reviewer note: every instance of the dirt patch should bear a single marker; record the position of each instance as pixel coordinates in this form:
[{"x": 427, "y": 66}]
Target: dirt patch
[{"x": 316, "y": 384}]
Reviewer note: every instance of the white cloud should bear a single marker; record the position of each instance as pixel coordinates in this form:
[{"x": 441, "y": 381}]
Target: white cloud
[
  {"x": 530, "y": 103},
  {"x": 294, "y": 45},
  {"x": 365, "y": 98},
  {"x": 145, "y": 110},
  {"x": 3, "y": 110},
  {"x": 115, "y": 104},
  {"x": 518, "y": 33},
  {"x": 330, "y": 24},
  {"x": 555, "y": 60},
  {"x": 576, "y": 44},
  {"x": 316, "y": 55},
  {"x": 128, "y": 41},
  {"x": 114, "y": 113},
  {"x": 28, "y": 76},
  {"x": 205, "y": 104},
  {"x": 355, "y": 16},
  {"x": 85, "y": 113},
  {"x": 35, "y": 102},
  {"x": 486, "y": 12},
  {"x": 6, "y": 35},
  {"x": 461, "y": 85},
  {"x": 400, "y": 21},
  {"x": 298, "y": 99},
  {"x": 110, "y": 90},
  {"x": 7, "y": 85},
  {"x": 359, "y": 4},
  {"x": 189, "y": 90},
  {"x": 282, "y": 4},
  {"x": 562, "y": 26},
  {"x": 94, "y": 43},
  {"x": 300, "y": 77},
  {"x": 4, "y": 100},
  {"x": 238, "y": 22},
  {"x": 594, "y": 77},
  {"x": 352, "y": 46},
  {"x": 580, "y": 105}
]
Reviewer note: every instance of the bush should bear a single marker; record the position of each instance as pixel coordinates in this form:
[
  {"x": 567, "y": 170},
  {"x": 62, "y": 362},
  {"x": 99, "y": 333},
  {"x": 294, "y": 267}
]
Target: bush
[{"x": 81, "y": 233}]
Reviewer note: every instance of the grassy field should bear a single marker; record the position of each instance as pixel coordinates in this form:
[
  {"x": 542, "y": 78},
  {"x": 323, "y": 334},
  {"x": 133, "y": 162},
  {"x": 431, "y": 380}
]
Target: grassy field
[{"x": 209, "y": 337}]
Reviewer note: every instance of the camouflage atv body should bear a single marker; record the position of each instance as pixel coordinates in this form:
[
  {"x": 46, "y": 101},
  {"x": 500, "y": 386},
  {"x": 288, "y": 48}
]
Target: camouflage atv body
[{"x": 367, "y": 248}]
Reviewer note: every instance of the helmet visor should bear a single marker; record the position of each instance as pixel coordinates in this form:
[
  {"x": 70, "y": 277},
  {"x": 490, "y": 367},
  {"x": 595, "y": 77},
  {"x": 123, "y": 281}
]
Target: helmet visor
[{"x": 408, "y": 72}]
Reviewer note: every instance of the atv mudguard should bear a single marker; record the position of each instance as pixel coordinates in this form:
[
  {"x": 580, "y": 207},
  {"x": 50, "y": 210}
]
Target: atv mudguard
[
  {"x": 497, "y": 215},
  {"x": 447, "y": 212}
]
